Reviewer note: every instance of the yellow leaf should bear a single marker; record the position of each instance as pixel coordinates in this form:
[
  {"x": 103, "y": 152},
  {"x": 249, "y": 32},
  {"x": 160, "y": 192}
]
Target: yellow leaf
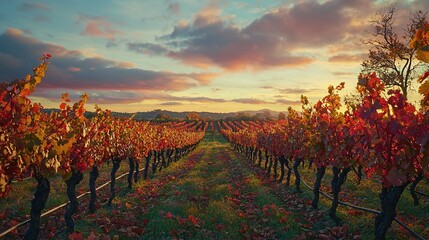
[
  {"x": 37, "y": 79},
  {"x": 27, "y": 159},
  {"x": 3, "y": 183},
  {"x": 424, "y": 88},
  {"x": 423, "y": 55}
]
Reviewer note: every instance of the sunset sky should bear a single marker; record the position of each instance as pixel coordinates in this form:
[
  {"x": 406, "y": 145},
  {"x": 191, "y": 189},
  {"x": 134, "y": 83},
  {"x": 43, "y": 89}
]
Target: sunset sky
[{"x": 217, "y": 56}]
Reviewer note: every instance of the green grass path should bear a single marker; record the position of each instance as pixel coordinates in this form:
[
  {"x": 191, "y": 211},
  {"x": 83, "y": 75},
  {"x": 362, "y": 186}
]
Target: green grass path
[{"x": 212, "y": 193}]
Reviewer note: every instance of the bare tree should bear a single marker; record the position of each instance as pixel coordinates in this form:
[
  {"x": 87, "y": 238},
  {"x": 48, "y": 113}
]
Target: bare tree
[{"x": 390, "y": 55}]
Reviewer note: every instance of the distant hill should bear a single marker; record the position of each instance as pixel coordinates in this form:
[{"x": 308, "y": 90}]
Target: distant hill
[
  {"x": 150, "y": 115},
  {"x": 180, "y": 115}
]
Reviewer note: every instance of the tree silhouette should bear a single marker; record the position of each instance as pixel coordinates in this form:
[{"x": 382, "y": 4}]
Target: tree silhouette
[{"x": 390, "y": 55}]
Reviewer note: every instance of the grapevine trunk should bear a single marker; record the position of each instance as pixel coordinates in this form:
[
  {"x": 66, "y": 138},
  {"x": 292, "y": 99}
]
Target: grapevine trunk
[
  {"x": 146, "y": 166},
  {"x": 297, "y": 176},
  {"x": 316, "y": 189},
  {"x": 339, "y": 178},
  {"x": 115, "y": 167},
  {"x": 389, "y": 198},
  {"x": 71, "y": 193},
  {"x": 131, "y": 162},
  {"x": 413, "y": 189},
  {"x": 37, "y": 205},
  {"x": 93, "y": 175}
]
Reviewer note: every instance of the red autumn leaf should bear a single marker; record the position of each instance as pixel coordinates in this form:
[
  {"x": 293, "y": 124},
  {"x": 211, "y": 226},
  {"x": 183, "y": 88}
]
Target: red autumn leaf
[
  {"x": 4, "y": 214},
  {"x": 424, "y": 76},
  {"x": 193, "y": 220},
  {"x": 76, "y": 236},
  {"x": 91, "y": 236},
  {"x": 180, "y": 220},
  {"x": 138, "y": 230},
  {"x": 169, "y": 215},
  {"x": 244, "y": 228}
]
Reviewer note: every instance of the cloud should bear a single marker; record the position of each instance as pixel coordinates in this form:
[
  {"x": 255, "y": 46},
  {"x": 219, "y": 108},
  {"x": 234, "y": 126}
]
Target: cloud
[
  {"x": 72, "y": 70},
  {"x": 174, "y": 8},
  {"x": 311, "y": 24},
  {"x": 296, "y": 90},
  {"x": 192, "y": 99},
  {"x": 348, "y": 74},
  {"x": 211, "y": 39},
  {"x": 291, "y": 90},
  {"x": 41, "y": 18},
  {"x": 274, "y": 40},
  {"x": 250, "y": 101},
  {"x": 111, "y": 43},
  {"x": 30, "y": 6},
  {"x": 98, "y": 27},
  {"x": 95, "y": 96},
  {"x": 171, "y": 103},
  {"x": 125, "y": 96},
  {"x": 288, "y": 102},
  {"x": 348, "y": 58},
  {"x": 147, "y": 48}
]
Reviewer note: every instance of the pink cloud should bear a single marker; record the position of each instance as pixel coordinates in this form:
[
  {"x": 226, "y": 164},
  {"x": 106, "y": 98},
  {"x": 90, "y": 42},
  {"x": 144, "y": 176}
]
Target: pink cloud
[
  {"x": 74, "y": 69},
  {"x": 29, "y": 6},
  {"x": 125, "y": 64},
  {"x": 348, "y": 58},
  {"x": 250, "y": 101},
  {"x": 174, "y": 8},
  {"x": 276, "y": 39},
  {"x": 288, "y": 102},
  {"x": 70, "y": 70},
  {"x": 98, "y": 27}
]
